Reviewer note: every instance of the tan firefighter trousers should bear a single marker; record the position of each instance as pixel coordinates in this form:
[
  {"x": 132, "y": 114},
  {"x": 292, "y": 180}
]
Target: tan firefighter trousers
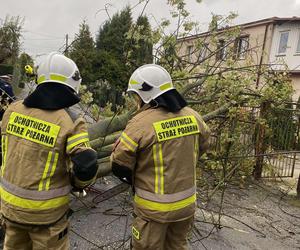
[
  {"x": 24, "y": 237},
  {"x": 152, "y": 235}
]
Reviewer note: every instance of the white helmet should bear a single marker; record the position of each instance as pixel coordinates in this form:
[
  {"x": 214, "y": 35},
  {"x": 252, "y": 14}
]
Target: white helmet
[
  {"x": 150, "y": 81},
  {"x": 59, "y": 68}
]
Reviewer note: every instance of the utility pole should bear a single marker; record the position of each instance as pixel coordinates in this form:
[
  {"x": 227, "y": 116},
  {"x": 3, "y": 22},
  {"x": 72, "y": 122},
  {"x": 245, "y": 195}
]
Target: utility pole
[{"x": 67, "y": 45}]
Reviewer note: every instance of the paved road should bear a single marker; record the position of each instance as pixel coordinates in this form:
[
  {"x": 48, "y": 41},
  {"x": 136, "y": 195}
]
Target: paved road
[{"x": 254, "y": 219}]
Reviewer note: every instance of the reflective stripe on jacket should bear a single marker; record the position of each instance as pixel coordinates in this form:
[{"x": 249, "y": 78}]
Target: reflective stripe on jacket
[
  {"x": 161, "y": 148},
  {"x": 36, "y": 147}
]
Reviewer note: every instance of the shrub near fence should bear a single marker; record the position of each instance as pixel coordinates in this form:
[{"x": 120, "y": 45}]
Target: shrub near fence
[
  {"x": 283, "y": 125},
  {"x": 6, "y": 69},
  {"x": 236, "y": 142}
]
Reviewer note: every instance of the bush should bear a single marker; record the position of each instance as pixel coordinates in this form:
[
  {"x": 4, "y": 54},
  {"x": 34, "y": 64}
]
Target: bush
[{"x": 6, "y": 69}]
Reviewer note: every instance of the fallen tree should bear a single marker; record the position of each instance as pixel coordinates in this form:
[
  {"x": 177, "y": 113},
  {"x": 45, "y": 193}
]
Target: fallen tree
[
  {"x": 104, "y": 133},
  {"x": 225, "y": 90}
]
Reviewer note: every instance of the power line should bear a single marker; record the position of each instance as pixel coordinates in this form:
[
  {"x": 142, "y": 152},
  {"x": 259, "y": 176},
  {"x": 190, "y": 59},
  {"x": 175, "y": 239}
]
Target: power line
[
  {"x": 43, "y": 46},
  {"x": 38, "y": 39},
  {"x": 42, "y": 34}
]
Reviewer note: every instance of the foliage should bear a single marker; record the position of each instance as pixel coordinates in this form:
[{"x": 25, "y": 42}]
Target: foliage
[
  {"x": 23, "y": 60},
  {"x": 6, "y": 69},
  {"x": 82, "y": 52},
  {"x": 226, "y": 85},
  {"x": 282, "y": 128},
  {"x": 88, "y": 106},
  {"x": 122, "y": 46},
  {"x": 211, "y": 76},
  {"x": 10, "y": 34},
  {"x": 106, "y": 64},
  {"x": 19, "y": 77},
  {"x": 97, "y": 113},
  {"x": 140, "y": 36},
  {"x": 113, "y": 46}
]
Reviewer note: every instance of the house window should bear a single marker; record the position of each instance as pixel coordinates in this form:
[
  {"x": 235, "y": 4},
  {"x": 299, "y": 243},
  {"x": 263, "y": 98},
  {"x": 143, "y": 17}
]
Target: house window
[
  {"x": 284, "y": 37},
  {"x": 298, "y": 45},
  {"x": 242, "y": 47},
  {"x": 203, "y": 52},
  {"x": 189, "y": 53},
  {"x": 221, "y": 50}
]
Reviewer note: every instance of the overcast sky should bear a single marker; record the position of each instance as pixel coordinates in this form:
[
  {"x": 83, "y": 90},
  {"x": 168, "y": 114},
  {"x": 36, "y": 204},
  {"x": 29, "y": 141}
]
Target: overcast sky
[{"x": 48, "y": 21}]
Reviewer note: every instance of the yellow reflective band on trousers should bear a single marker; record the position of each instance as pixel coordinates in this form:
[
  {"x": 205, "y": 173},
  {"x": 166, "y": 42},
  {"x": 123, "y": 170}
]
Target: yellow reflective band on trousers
[
  {"x": 33, "y": 204},
  {"x": 158, "y": 168},
  {"x": 77, "y": 139},
  {"x": 165, "y": 207},
  {"x": 165, "y": 198},
  {"x": 33, "y": 129},
  {"x": 49, "y": 170},
  {"x": 128, "y": 142},
  {"x": 4, "y": 145},
  {"x": 176, "y": 128},
  {"x": 82, "y": 184},
  {"x": 53, "y": 77}
]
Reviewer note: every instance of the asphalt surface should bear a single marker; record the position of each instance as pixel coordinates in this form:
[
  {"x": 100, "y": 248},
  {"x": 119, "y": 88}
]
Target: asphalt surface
[{"x": 257, "y": 217}]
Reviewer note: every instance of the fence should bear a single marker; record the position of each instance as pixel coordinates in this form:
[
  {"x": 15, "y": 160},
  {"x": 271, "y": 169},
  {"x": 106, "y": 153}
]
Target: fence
[{"x": 273, "y": 144}]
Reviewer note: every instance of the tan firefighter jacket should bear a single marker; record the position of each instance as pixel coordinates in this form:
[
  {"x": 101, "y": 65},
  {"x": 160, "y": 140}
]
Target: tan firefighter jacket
[
  {"x": 36, "y": 149},
  {"x": 162, "y": 149}
]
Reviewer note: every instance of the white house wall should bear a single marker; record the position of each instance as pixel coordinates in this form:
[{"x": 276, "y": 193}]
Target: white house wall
[{"x": 290, "y": 58}]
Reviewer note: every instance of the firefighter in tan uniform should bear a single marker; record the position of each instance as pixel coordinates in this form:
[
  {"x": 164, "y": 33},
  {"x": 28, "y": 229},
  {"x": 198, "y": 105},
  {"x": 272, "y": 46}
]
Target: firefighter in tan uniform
[
  {"x": 46, "y": 153},
  {"x": 157, "y": 153}
]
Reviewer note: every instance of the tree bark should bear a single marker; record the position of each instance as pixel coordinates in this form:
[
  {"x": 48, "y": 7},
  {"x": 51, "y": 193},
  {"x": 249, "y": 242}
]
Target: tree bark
[
  {"x": 261, "y": 145},
  {"x": 108, "y": 126},
  {"x": 104, "y": 133},
  {"x": 298, "y": 187},
  {"x": 98, "y": 143},
  {"x": 104, "y": 169}
]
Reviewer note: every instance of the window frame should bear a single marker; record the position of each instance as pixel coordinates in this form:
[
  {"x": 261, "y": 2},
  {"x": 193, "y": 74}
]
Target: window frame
[
  {"x": 203, "y": 52},
  {"x": 189, "y": 50},
  {"x": 297, "y": 52},
  {"x": 221, "y": 50},
  {"x": 286, "y": 46},
  {"x": 241, "y": 54}
]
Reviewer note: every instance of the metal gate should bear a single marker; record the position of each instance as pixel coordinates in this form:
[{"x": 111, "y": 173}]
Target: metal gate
[
  {"x": 280, "y": 157},
  {"x": 279, "y": 164}
]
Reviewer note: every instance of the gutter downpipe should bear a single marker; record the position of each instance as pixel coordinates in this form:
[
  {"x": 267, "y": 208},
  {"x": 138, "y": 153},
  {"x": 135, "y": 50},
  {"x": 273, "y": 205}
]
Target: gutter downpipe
[{"x": 262, "y": 55}]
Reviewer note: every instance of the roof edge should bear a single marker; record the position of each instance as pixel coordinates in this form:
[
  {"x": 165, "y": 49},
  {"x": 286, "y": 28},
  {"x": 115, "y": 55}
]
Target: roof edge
[{"x": 246, "y": 25}]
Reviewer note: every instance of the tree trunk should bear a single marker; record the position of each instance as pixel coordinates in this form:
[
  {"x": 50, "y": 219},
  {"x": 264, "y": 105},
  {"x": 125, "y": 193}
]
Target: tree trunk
[
  {"x": 108, "y": 126},
  {"x": 104, "y": 133},
  {"x": 260, "y": 144},
  {"x": 97, "y": 144},
  {"x": 298, "y": 187}
]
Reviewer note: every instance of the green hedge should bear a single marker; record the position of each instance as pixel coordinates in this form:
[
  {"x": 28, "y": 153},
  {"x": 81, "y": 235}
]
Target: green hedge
[{"x": 6, "y": 69}]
